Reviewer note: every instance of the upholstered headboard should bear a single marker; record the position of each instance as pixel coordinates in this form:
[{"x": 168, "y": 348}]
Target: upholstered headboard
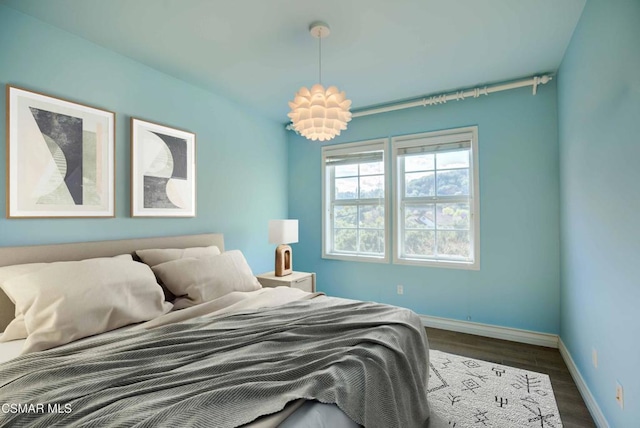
[{"x": 86, "y": 250}]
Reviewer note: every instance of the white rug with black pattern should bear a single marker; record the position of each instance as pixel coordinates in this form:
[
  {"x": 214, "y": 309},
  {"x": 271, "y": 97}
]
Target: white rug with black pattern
[{"x": 464, "y": 392}]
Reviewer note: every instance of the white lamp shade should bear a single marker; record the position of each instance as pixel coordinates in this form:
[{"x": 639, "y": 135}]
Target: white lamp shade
[
  {"x": 320, "y": 114},
  {"x": 283, "y": 231}
]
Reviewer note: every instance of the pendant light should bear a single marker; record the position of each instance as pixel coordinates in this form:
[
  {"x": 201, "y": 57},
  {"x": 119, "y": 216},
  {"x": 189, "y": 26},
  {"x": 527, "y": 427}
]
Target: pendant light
[{"x": 319, "y": 113}]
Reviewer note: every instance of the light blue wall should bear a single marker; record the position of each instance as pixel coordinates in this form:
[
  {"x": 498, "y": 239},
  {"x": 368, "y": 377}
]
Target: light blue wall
[
  {"x": 241, "y": 157},
  {"x": 518, "y": 283},
  {"x": 599, "y": 117}
]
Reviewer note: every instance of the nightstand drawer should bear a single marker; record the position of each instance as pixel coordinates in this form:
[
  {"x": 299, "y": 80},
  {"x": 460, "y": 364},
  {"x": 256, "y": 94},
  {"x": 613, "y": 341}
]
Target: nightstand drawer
[
  {"x": 304, "y": 281},
  {"x": 304, "y": 284}
]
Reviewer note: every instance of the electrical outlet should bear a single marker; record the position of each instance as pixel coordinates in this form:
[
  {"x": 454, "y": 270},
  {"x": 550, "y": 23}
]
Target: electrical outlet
[
  {"x": 620, "y": 395},
  {"x": 594, "y": 357},
  {"x": 400, "y": 289}
]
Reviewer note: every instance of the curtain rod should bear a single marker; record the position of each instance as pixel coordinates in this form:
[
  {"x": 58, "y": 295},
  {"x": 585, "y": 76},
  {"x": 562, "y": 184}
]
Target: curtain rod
[
  {"x": 430, "y": 100},
  {"x": 458, "y": 95}
]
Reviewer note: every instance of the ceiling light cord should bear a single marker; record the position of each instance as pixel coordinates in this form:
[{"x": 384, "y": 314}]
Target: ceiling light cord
[{"x": 320, "y": 58}]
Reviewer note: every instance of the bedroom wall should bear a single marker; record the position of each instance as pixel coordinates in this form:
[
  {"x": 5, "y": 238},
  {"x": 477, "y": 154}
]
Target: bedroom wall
[
  {"x": 599, "y": 124},
  {"x": 241, "y": 157},
  {"x": 518, "y": 282}
]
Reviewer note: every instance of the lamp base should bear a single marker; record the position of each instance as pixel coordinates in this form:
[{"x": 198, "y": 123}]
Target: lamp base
[{"x": 284, "y": 260}]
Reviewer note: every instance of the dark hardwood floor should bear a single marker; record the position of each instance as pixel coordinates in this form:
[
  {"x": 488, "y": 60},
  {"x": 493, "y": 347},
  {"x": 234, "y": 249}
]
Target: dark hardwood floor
[{"x": 573, "y": 412}]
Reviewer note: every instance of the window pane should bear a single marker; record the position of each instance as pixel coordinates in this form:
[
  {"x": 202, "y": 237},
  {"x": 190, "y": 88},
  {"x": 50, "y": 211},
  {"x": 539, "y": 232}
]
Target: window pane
[
  {"x": 345, "y": 216},
  {"x": 457, "y": 159},
  {"x": 371, "y": 168},
  {"x": 452, "y": 216},
  {"x": 371, "y": 187},
  {"x": 454, "y": 243},
  {"x": 419, "y": 217},
  {"x": 419, "y": 163},
  {"x": 419, "y": 243},
  {"x": 371, "y": 241},
  {"x": 372, "y": 216},
  {"x": 452, "y": 183},
  {"x": 346, "y": 170},
  {"x": 419, "y": 184},
  {"x": 344, "y": 239},
  {"x": 347, "y": 188}
]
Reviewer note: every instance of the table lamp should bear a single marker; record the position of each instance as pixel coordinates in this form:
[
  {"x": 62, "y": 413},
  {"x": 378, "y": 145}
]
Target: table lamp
[{"x": 283, "y": 232}]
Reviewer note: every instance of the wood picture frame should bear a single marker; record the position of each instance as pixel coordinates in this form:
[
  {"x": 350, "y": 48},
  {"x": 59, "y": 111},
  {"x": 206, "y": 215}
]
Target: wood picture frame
[
  {"x": 163, "y": 170},
  {"x": 60, "y": 157}
]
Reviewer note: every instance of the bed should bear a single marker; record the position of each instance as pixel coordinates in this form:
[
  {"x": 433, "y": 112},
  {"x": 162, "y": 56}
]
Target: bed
[{"x": 239, "y": 355}]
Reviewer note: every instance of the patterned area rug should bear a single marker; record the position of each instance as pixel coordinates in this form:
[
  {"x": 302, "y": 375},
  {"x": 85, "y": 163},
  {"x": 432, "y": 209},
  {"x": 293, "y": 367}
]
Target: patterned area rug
[{"x": 464, "y": 392}]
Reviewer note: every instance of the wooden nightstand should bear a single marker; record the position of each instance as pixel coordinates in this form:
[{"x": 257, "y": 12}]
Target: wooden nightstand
[{"x": 305, "y": 281}]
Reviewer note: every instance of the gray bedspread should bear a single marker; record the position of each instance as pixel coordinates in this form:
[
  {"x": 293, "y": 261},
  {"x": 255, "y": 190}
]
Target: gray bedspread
[{"x": 369, "y": 359}]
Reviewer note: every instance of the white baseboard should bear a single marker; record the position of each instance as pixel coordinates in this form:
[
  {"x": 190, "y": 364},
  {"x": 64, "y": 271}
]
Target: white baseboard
[
  {"x": 487, "y": 330},
  {"x": 592, "y": 405}
]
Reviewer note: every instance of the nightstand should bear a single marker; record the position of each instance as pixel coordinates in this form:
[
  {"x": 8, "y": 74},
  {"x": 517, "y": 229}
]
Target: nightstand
[{"x": 305, "y": 281}]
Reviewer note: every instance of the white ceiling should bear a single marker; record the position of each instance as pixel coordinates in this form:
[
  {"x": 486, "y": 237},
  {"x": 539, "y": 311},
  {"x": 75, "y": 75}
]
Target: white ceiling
[{"x": 259, "y": 52}]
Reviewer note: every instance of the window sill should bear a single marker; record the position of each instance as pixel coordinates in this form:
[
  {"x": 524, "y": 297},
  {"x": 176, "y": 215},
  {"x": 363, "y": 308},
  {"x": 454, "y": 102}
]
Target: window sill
[
  {"x": 438, "y": 264},
  {"x": 354, "y": 258}
]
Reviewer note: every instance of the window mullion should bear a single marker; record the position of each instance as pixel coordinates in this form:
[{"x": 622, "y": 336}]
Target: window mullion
[
  {"x": 328, "y": 235},
  {"x": 372, "y": 201},
  {"x": 437, "y": 199},
  {"x": 436, "y": 252}
]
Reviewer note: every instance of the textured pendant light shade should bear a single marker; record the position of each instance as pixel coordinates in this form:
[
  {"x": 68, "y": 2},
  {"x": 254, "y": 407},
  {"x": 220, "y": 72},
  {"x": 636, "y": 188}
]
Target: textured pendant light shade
[{"x": 319, "y": 113}]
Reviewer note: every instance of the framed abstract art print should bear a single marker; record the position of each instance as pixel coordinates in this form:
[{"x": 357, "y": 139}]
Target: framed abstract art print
[
  {"x": 60, "y": 157},
  {"x": 163, "y": 171}
]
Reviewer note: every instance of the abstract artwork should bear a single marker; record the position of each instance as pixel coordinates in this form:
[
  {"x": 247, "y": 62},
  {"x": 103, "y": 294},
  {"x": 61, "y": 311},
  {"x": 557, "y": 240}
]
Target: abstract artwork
[
  {"x": 163, "y": 167},
  {"x": 60, "y": 158}
]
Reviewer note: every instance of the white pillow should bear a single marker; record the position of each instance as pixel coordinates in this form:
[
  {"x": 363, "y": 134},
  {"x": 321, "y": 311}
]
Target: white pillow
[
  {"x": 156, "y": 256},
  {"x": 66, "y": 301},
  {"x": 16, "y": 328},
  {"x": 196, "y": 281}
]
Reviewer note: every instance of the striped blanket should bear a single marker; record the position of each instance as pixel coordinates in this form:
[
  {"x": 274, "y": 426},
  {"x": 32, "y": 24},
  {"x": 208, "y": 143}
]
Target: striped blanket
[{"x": 225, "y": 371}]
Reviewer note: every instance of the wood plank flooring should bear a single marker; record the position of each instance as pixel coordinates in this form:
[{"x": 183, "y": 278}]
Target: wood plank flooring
[{"x": 573, "y": 412}]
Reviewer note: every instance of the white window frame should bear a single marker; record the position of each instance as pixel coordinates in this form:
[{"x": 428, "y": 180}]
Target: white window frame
[
  {"x": 328, "y": 193},
  {"x": 437, "y": 138}
]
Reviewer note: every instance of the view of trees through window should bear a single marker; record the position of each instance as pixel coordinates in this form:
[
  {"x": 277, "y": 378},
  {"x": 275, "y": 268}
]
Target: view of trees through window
[
  {"x": 358, "y": 208},
  {"x": 435, "y": 204}
]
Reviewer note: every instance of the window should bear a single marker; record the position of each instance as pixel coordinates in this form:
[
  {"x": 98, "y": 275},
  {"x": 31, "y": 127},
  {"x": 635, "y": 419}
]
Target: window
[
  {"x": 355, "y": 209},
  {"x": 436, "y": 199}
]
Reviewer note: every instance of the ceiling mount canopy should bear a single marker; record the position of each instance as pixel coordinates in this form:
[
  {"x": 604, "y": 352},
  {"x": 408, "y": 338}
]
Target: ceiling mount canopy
[{"x": 319, "y": 113}]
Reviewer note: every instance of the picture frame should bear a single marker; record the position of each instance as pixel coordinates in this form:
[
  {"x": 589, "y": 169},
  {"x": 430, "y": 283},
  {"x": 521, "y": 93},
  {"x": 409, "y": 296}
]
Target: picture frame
[
  {"x": 163, "y": 170},
  {"x": 60, "y": 157}
]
